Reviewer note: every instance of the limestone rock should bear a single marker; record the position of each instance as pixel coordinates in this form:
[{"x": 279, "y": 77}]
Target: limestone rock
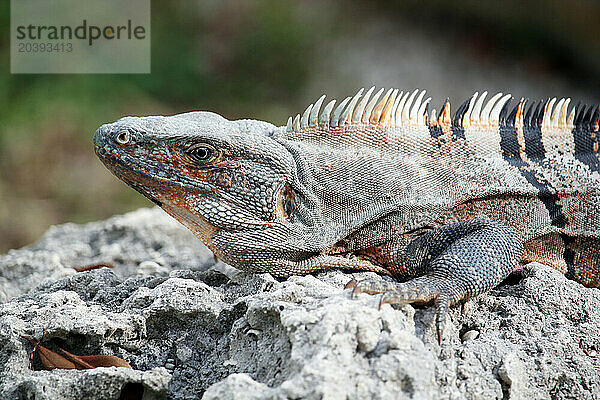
[{"x": 193, "y": 328}]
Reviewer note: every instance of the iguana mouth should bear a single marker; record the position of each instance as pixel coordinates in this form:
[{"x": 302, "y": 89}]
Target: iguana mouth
[{"x": 132, "y": 171}]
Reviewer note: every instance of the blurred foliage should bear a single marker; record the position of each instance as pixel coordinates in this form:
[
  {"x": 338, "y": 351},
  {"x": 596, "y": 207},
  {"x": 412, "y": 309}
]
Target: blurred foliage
[
  {"x": 208, "y": 55},
  {"x": 560, "y": 34},
  {"x": 237, "y": 58}
]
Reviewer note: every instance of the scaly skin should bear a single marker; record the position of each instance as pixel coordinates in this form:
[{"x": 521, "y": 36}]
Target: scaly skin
[{"x": 449, "y": 207}]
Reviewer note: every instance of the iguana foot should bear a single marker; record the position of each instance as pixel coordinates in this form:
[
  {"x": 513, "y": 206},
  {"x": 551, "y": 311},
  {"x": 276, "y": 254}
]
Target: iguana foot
[{"x": 456, "y": 261}]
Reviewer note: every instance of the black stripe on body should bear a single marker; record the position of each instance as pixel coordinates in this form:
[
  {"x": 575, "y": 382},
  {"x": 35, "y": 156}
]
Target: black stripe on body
[
  {"x": 586, "y": 141},
  {"x": 510, "y": 146},
  {"x": 458, "y": 131},
  {"x": 533, "y": 142},
  {"x": 510, "y": 149},
  {"x": 584, "y": 147}
]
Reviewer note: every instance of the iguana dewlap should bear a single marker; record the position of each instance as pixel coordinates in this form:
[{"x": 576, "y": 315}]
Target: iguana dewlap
[{"x": 448, "y": 205}]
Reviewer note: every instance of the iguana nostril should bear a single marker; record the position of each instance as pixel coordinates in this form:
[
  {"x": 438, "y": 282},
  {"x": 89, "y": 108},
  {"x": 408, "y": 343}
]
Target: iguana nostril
[{"x": 123, "y": 138}]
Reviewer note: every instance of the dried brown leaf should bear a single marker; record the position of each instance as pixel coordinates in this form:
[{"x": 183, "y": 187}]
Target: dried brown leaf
[
  {"x": 77, "y": 360},
  {"x": 96, "y": 360},
  {"x": 52, "y": 360}
]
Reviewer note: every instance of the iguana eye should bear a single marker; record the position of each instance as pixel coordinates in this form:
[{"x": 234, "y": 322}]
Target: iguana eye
[
  {"x": 202, "y": 153},
  {"x": 123, "y": 138}
]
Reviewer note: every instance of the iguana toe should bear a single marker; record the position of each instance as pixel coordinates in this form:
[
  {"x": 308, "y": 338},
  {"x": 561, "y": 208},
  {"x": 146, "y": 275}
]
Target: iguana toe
[{"x": 421, "y": 292}]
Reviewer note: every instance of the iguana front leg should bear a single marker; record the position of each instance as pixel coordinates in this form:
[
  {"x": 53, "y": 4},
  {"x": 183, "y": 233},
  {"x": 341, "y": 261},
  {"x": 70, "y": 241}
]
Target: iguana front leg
[{"x": 458, "y": 261}]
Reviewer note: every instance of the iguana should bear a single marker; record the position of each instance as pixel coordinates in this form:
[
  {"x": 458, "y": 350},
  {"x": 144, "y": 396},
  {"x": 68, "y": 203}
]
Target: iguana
[{"x": 447, "y": 205}]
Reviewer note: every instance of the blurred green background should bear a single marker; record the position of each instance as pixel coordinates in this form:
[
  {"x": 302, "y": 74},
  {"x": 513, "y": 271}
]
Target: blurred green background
[{"x": 268, "y": 59}]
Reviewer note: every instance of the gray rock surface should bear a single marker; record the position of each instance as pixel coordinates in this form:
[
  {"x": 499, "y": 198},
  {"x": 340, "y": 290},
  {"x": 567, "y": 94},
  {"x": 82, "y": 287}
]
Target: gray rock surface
[
  {"x": 194, "y": 329},
  {"x": 143, "y": 242}
]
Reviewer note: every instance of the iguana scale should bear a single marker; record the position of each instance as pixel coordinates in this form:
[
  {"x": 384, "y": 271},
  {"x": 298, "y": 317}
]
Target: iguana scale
[{"x": 449, "y": 206}]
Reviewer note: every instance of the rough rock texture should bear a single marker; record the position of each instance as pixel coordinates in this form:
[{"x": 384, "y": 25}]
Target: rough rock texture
[
  {"x": 143, "y": 242},
  {"x": 192, "y": 329}
]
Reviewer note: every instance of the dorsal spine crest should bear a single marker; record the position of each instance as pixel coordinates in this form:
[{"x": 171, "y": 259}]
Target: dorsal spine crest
[{"x": 408, "y": 108}]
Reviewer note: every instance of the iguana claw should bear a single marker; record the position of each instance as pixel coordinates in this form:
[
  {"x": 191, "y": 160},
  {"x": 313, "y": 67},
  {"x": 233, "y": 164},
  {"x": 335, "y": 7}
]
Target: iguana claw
[{"x": 350, "y": 284}]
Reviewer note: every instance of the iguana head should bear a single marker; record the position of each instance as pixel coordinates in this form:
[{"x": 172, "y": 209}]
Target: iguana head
[{"x": 206, "y": 171}]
